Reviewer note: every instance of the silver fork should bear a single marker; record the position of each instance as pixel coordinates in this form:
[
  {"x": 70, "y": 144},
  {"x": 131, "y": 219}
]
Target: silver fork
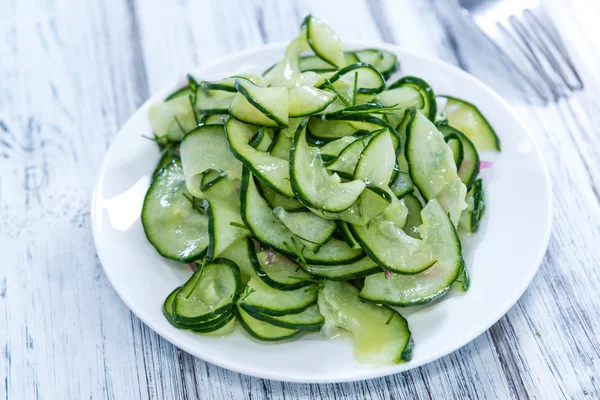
[{"x": 522, "y": 31}]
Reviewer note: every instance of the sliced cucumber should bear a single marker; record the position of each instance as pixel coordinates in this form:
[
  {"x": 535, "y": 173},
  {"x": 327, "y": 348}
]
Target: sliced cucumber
[
  {"x": 280, "y": 147},
  {"x": 344, "y": 272},
  {"x": 167, "y": 309},
  {"x": 224, "y": 223},
  {"x": 403, "y": 290},
  {"x": 212, "y": 101},
  {"x": 347, "y": 235},
  {"x": 471, "y": 216},
  {"x": 429, "y": 108},
  {"x": 264, "y": 299},
  {"x": 263, "y": 139},
  {"x": 402, "y": 185},
  {"x": 308, "y": 320},
  {"x": 370, "y": 80},
  {"x": 225, "y": 330},
  {"x": 184, "y": 91},
  {"x": 169, "y": 153},
  {"x": 205, "y": 149},
  {"x": 272, "y": 171},
  {"x": 263, "y": 330},
  {"x": 332, "y": 149},
  {"x": 345, "y": 163},
  {"x": 432, "y": 166},
  {"x": 271, "y": 102},
  {"x": 388, "y": 245},
  {"x": 173, "y": 118},
  {"x": 228, "y": 84},
  {"x": 414, "y": 216},
  {"x": 317, "y": 64},
  {"x": 209, "y": 294},
  {"x": 380, "y": 334},
  {"x": 324, "y": 42},
  {"x": 310, "y": 228},
  {"x": 467, "y": 118},
  {"x": 278, "y": 271},
  {"x": 455, "y": 145},
  {"x": 329, "y": 130},
  {"x": 376, "y": 162},
  {"x": 213, "y": 119},
  {"x": 305, "y": 100},
  {"x": 173, "y": 225},
  {"x": 276, "y": 200},
  {"x": 311, "y": 182},
  {"x": 384, "y": 61},
  {"x": 468, "y": 168},
  {"x": 268, "y": 229},
  {"x": 240, "y": 253},
  {"x": 403, "y": 98}
]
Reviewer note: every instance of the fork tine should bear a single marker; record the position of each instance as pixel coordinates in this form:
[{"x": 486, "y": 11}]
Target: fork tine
[
  {"x": 546, "y": 40},
  {"x": 525, "y": 37},
  {"x": 532, "y": 61}
]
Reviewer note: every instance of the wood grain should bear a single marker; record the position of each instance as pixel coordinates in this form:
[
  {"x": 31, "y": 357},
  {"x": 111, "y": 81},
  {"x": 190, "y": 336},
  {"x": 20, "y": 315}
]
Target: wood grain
[{"x": 71, "y": 73}]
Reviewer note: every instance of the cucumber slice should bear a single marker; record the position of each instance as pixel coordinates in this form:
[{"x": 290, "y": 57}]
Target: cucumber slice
[
  {"x": 172, "y": 224},
  {"x": 384, "y": 61},
  {"x": 305, "y": 100},
  {"x": 467, "y": 118},
  {"x": 228, "y": 84},
  {"x": 276, "y": 200},
  {"x": 404, "y": 98},
  {"x": 311, "y": 182},
  {"x": 332, "y": 149},
  {"x": 268, "y": 229},
  {"x": 310, "y": 228},
  {"x": 317, "y": 64},
  {"x": 207, "y": 328},
  {"x": 240, "y": 253},
  {"x": 414, "y": 216},
  {"x": 455, "y": 145},
  {"x": 324, "y": 42},
  {"x": 272, "y": 171},
  {"x": 345, "y": 163},
  {"x": 347, "y": 235},
  {"x": 222, "y": 218},
  {"x": 403, "y": 290},
  {"x": 225, "y": 330},
  {"x": 172, "y": 119},
  {"x": 266, "y": 106},
  {"x": 468, "y": 168},
  {"x": 263, "y": 330},
  {"x": 263, "y": 139},
  {"x": 167, "y": 309},
  {"x": 264, "y": 299},
  {"x": 275, "y": 270},
  {"x": 388, "y": 245},
  {"x": 329, "y": 130},
  {"x": 205, "y": 149},
  {"x": 429, "y": 108},
  {"x": 213, "y": 119},
  {"x": 344, "y": 272},
  {"x": 169, "y": 153},
  {"x": 370, "y": 204},
  {"x": 402, "y": 185},
  {"x": 208, "y": 294},
  {"x": 432, "y": 166},
  {"x": 184, "y": 91},
  {"x": 212, "y": 101},
  {"x": 376, "y": 162},
  {"x": 280, "y": 147},
  {"x": 370, "y": 80},
  {"x": 471, "y": 216},
  {"x": 308, "y": 320},
  {"x": 380, "y": 334}
]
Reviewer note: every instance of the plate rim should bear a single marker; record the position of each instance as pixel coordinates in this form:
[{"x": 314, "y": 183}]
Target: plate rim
[{"x": 368, "y": 373}]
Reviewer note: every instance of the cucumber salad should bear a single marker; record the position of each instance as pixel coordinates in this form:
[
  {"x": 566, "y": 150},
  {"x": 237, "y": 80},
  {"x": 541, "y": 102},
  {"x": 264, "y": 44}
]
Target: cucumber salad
[{"x": 319, "y": 196}]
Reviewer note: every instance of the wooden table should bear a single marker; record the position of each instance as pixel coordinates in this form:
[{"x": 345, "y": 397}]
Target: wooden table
[{"x": 72, "y": 72}]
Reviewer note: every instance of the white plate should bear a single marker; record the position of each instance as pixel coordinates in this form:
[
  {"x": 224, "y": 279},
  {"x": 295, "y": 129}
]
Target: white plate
[{"x": 511, "y": 244}]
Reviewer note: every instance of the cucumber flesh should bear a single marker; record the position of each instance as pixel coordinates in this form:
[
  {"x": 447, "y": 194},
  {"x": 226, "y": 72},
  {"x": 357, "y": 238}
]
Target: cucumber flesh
[
  {"x": 308, "y": 320},
  {"x": 344, "y": 272},
  {"x": 312, "y": 229},
  {"x": 263, "y": 330},
  {"x": 380, "y": 334},
  {"x": 311, "y": 182},
  {"x": 173, "y": 225},
  {"x": 271, "y": 102},
  {"x": 324, "y": 42},
  {"x": 173, "y": 118},
  {"x": 467, "y": 118},
  {"x": 278, "y": 271},
  {"x": 403, "y": 290},
  {"x": 471, "y": 216},
  {"x": 268, "y": 300}
]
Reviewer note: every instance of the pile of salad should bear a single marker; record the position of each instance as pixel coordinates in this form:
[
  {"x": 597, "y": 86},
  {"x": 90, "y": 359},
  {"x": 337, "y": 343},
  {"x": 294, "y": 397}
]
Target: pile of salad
[{"x": 315, "y": 197}]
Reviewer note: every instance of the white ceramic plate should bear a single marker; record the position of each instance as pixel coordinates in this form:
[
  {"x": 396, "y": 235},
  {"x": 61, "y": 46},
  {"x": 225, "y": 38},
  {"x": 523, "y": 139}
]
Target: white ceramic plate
[{"x": 501, "y": 262}]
